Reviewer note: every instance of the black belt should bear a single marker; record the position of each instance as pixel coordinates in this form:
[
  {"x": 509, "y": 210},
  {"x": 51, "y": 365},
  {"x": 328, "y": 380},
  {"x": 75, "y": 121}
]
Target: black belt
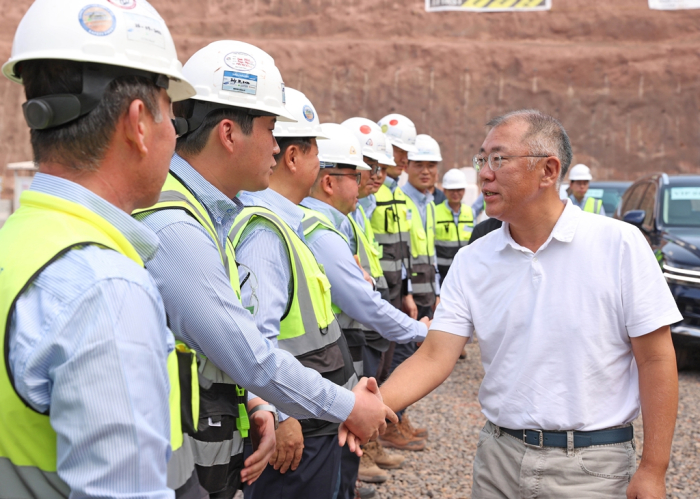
[{"x": 540, "y": 438}]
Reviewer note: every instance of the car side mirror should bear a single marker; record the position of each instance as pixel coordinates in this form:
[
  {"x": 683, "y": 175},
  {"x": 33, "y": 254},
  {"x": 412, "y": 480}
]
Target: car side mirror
[{"x": 635, "y": 217}]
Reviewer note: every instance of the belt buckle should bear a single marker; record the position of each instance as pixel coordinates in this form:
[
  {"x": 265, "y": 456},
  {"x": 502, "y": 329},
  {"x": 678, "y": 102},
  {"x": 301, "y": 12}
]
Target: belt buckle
[{"x": 541, "y": 439}]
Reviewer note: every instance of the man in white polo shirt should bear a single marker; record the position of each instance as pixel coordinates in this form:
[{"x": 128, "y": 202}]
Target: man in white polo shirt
[{"x": 572, "y": 314}]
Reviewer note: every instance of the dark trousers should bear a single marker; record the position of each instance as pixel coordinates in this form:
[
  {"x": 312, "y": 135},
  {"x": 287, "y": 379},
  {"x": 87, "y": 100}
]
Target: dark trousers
[
  {"x": 371, "y": 361},
  {"x": 402, "y": 352},
  {"x": 349, "y": 469},
  {"x": 316, "y": 477}
]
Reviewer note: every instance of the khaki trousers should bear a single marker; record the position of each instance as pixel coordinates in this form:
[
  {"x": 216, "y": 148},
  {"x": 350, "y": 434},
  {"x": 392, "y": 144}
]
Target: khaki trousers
[{"x": 506, "y": 468}]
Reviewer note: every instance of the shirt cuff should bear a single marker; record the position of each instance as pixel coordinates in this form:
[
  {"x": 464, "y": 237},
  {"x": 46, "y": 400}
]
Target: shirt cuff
[
  {"x": 652, "y": 325},
  {"x": 341, "y": 407}
]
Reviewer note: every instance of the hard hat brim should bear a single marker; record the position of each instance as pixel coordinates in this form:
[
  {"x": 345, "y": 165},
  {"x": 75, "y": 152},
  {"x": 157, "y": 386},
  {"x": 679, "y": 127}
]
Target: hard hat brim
[{"x": 402, "y": 146}]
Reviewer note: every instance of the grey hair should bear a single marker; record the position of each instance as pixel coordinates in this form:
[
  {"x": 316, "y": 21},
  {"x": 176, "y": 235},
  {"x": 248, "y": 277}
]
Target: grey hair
[{"x": 545, "y": 136}]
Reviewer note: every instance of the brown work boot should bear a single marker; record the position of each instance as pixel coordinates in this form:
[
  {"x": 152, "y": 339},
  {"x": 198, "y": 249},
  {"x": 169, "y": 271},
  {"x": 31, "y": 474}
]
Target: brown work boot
[
  {"x": 412, "y": 430},
  {"x": 383, "y": 459},
  {"x": 370, "y": 472},
  {"x": 395, "y": 437}
]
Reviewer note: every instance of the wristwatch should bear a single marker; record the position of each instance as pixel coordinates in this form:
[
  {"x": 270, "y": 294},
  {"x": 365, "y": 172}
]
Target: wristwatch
[{"x": 266, "y": 407}]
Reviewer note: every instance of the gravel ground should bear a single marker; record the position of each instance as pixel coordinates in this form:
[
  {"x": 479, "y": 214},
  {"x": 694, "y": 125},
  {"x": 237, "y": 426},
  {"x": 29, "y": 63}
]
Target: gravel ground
[{"x": 444, "y": 468}]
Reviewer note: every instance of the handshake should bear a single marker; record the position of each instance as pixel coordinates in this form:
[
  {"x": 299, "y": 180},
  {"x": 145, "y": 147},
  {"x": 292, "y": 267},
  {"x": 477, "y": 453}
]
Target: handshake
[{"x": 368, "y": 417}]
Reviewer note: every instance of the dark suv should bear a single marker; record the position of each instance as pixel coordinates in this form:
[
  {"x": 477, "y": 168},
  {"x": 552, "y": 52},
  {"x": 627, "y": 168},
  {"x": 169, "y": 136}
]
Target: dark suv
[{"x": 667, "y": 210}]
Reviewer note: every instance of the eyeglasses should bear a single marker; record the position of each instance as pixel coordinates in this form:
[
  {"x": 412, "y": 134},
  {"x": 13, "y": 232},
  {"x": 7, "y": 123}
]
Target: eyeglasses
[
  {"x": 495, "y": 160},
  {"x": 375, "y": 169},
  {"x": 358, "y": 176}
]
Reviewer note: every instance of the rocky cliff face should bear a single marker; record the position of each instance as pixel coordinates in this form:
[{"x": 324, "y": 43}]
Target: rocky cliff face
[{"x": 623, "y": 79}]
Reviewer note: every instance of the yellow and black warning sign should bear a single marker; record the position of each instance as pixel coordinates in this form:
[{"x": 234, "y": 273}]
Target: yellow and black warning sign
[{"x": 488, "y": 5}]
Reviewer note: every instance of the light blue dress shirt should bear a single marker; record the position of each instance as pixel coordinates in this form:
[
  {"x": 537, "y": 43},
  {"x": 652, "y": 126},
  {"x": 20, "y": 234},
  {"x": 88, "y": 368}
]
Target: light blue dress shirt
[
  {"x": 478, "y": 206},
  {"x": 89, "y": 340},
  {"x": 263, "y": 251},
  {"x": 583, "y": 203},
  {"x": 349, "y": 290},
  {"x": 205, "y": 313},
  {"x": 369, "y": 204},
  {"x": 422, "y": 201}
]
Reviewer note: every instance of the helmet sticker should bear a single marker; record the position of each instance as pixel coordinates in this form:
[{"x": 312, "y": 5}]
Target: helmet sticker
[
  {"x": 240, "y": 82},
  {"x": 240, "y": 61},
  {"x": 365, "y": 129},
  {"x": 394, "y": 122},
  {"x": 97, "y": 20},
  {"x": 284, "y": 94},
  {"x": 369, "y": 143},
  {"x": 385, "y": 128},
  {"x": 308, "y": 113},
  {"x": 145, "y": 29},
  {"x": 352, "y": 150},
  {"x": 124, "y": 4}
]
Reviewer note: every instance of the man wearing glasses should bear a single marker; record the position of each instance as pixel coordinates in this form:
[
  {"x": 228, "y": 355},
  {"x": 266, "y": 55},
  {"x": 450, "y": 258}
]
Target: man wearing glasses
[{"x": 559, "y": 394}]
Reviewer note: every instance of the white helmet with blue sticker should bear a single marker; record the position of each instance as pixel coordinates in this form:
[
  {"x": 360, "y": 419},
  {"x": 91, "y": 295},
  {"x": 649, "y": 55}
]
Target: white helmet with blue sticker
[{"x": 301, "y": 108}]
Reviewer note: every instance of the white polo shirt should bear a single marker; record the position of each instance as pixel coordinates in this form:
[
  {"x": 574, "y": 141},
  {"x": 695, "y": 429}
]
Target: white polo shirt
[{"x": 554, "y": 326}]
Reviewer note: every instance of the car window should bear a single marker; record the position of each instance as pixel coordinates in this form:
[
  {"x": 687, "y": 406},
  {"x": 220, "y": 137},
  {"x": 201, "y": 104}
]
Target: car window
[
  {"x": 647, "y": 204},
  {"x": 632, "y": 201},
  {"x": 681, "y": 206}
]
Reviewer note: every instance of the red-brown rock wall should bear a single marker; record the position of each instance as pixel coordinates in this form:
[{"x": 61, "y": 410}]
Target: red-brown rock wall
[{"x": 623, "y": 79}]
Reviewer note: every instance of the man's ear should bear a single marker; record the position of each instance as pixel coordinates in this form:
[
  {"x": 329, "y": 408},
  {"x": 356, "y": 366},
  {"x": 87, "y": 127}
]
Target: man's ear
[
  {"x": 551, "y": 171},
  {"x": 327, "y": 184},
  {"x": 137, "y": 123},
  {"x": 228, "y": 134},
  {"x": 291, "y": 158}
]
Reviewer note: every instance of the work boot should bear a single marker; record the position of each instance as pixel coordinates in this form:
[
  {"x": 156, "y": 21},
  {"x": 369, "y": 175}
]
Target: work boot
[
  {"x": 384, "y": 460},
  {"x": 412, "y": 430},
  {"x": 370, "y": 472},
  {"x": 364, "y": 491},
  {"x": 395, "y": 437}
]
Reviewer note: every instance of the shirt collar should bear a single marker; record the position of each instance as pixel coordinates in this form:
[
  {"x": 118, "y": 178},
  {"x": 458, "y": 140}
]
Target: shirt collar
[
  {"x": 391, "y": 183},
  {"x": 222, "y": 209},
  {"x": 416, "y": 195},
  {"x": 290, "y": 213},
  {"x": 143, "y": 239},
  {"x": 336, "y": 217},
  {"x": 563, "y": 231}
]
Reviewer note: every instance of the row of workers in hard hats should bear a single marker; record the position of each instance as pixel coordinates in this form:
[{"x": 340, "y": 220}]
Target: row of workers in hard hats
[{"x": 143, "y": 293}]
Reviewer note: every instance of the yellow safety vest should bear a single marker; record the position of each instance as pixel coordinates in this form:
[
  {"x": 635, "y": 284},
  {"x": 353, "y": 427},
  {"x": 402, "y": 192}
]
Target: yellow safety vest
[
  {"x": 43, "y": 229},
  {"x": 368, "y": 249},
  {"x": 593, "y": 205},
  {"x": 450, "y": 237},
  {"x": 422, "y": 254}
]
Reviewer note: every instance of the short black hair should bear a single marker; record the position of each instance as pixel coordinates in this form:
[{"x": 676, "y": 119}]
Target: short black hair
[
  {"x": 303, "y": 143},
  {"x": 191, "y": 144},
  {"x": 82, "y": 143}
]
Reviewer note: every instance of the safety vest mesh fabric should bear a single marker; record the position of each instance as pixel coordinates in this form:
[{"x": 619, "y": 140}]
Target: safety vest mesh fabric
[
  {"x": 422, "y": 254},
  {"x": 217, "y": 452},
  {"x": 450, "y": 237},
  {"x": 368, "y": 250},
  {"x": 392, "y": 231},
  {"x": 309, "y": 329},
  {"x": 42, "y": 230},
  {"x": 593, "y": 205}
]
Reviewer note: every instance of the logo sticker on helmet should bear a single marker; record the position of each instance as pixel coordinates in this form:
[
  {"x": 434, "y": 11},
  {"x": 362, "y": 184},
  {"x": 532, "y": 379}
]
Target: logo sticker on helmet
[
  {"x": 97, "y": 20},
  {"x": 124, "y": 4},
  {"x": 384, "y": 128},
  {"x": 240, "y": 82},
  {"x": 145, "y": 29},
  {"x": 240, "y": 61},
  {"x": 369, "y": 143},
  {"x": 284, "y": 95},
  {"x": 394, "y": 122},
  {"x": 308, "y": 113},
  {"x": 353, "y": 150},
  {"x": 365, "y": 129}
]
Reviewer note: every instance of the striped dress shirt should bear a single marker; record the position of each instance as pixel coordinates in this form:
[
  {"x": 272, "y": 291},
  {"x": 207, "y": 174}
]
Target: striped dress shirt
[
  {"x": 204, "y": 312},
  {"x": 89, "y": 341}
]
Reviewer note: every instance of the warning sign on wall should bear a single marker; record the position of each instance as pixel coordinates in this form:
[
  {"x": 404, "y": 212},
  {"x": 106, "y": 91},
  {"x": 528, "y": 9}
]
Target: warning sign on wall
[
  {"x": 491, "y": 5},
  {"x": 674, "y": 4}
]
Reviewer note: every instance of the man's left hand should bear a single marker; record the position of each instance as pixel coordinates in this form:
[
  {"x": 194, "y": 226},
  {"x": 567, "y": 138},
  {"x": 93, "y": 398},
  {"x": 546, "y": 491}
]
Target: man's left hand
[
  {"x": 647, "y": 485},
  {"x": 262, "y": 433}
]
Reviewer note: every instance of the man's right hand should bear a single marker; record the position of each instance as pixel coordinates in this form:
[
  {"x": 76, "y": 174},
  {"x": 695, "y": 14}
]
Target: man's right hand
[
  {"x": 368, "y": 416},
  {"x": 290, "y": 446},
  {"x": 409, "y": 307}
]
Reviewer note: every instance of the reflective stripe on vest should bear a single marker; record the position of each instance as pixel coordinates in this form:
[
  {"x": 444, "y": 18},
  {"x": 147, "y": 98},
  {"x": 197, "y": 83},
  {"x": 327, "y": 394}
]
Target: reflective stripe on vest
[
  {"x": 43, "y": 229},
  {"x": 450, "y": 237},
  {"x": 593, "y": 205},
  {"x": 367, "y": 250},
  {"x": 223, "y": 396}
]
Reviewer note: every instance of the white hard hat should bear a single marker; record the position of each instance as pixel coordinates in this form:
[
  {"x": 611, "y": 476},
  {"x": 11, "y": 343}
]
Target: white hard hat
[
  {"x": 389, "y": 152},
  {"x": 342, "y": 147},
  {"x": 123, "y": 33},
  {"x": 238, "y": 74},
  {"x": 580, "y": 172},
  {"x": 427, "y": 149},
  {"x": 372, "y": 139},
  {"x": 400, "y": 131},
  {"x": 454, "y": 179},
  {"x": 301, "y": 109}
]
